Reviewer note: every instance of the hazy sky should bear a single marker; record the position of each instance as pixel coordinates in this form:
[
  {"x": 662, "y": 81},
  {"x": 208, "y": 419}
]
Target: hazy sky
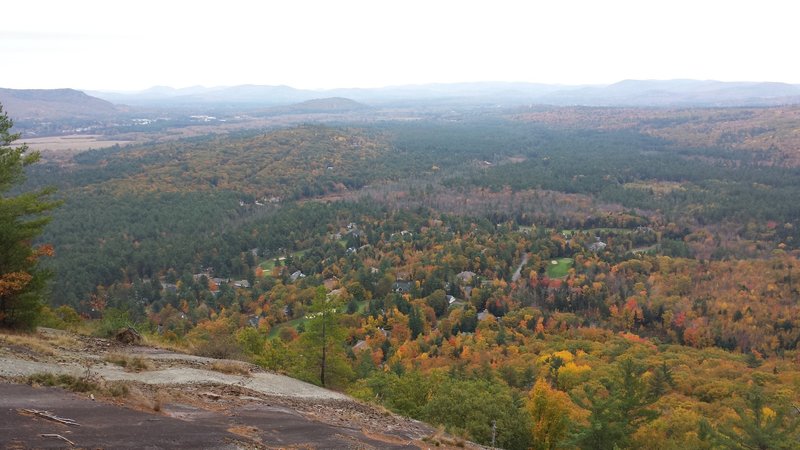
[{"x": 342, "y": 43}]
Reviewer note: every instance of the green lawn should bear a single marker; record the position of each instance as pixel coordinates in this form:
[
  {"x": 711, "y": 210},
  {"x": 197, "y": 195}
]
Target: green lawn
[
  {"x": 559, "y": 269},
  {"x": 273, "y": 333},
  {"x": 269, "y": 264}
]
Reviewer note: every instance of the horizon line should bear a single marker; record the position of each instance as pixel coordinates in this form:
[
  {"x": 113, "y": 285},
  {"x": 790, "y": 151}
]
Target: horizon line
[{"x": 395, "y": 86}]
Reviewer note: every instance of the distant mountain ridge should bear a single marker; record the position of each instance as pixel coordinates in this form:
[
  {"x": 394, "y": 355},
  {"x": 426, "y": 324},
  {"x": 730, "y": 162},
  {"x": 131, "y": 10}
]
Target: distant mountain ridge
[
  {"x": 320, "y": 105},
  {"x": 677, "y": 93},
  {"x": 49, "y": 104},
  {"x": 43, "y": 105}
]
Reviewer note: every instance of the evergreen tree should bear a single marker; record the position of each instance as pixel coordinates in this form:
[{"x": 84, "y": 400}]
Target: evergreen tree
[
  {"x": 22, "y": 282},
  {"x": 415, "y": 323},
  {"x": 323, "y": 359},
  {"x": 758, "y": 426},
  {"x": 661, "y": 381},
  {"x": 618, "y": 412}
]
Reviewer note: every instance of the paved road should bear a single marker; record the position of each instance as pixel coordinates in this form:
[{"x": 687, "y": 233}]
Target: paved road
[{"x": 518, "y": 272}]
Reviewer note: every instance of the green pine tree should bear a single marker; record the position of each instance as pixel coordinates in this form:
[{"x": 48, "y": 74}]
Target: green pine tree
[
  {"x": 323, "y": 358},
  {"x": 22, "y": 219},
  {"x": 759, "y": 427},
  {"x": 415, "y": 323},
  {"x": 661, "y": 381},
  {"x": 618, "y": 412}
]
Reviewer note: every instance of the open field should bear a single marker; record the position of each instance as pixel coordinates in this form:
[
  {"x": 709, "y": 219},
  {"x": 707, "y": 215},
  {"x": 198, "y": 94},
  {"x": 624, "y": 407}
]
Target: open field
[
  {"x": 64, "y": 147},
  {"x": 269, "y": 265}
]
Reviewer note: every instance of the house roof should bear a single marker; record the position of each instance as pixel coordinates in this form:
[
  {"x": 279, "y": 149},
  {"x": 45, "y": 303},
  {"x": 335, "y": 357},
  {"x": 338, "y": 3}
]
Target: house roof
[{"x": 465, "y": 276}]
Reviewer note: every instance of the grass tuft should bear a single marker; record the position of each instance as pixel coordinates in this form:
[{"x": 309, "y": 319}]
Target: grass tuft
[
  {"x": 131, "y": 363},
  {"x": 231, "y": 367}
]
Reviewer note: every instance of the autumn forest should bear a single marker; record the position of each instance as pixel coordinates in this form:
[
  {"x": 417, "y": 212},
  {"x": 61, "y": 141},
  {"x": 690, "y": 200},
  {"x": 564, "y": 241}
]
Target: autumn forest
[{"x": 547, "y": 277}]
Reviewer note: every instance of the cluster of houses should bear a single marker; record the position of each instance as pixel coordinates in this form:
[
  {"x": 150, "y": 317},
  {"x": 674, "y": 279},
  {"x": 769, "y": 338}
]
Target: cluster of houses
[{"x": 240, "y": 284}]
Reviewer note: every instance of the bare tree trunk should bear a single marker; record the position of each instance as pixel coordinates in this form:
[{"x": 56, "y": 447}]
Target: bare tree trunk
[{"x": 324, "y": 348}]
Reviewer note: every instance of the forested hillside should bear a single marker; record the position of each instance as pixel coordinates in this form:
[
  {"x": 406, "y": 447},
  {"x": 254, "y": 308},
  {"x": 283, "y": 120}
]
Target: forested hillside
[{"x": 553, "y": 278}]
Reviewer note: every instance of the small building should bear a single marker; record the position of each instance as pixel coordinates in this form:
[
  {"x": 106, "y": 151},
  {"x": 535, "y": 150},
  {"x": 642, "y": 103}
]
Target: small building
[
  {"x": 402, "y": 287},
  {"x": 598, "y": 246},
  {"x": 296, "y": 275},
  {"x": 483, "y": 315},
  {"x": 361, "y": 345},
  {"x": 465, "y": 276}
]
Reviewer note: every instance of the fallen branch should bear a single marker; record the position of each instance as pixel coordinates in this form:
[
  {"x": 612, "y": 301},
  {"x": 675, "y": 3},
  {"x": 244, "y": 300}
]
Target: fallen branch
[
  {"x": 50, "y": 416},
  {"x": 58, "y": 436}
]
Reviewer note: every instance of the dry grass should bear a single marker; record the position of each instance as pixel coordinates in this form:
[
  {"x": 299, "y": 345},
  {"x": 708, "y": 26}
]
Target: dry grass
[
  {"x": 247, "y": 431},
  {"x": 152, "y": 401},
  {"x": 30, "y": 342},
  {"x": 118, "y": 388},
  {"x": 132, "y": 363},
  {"x": 159, "y": 341},
  {"x": 65, "y": 341},
  {"x": 231, "y": 367},
  {"x": 42, "y": 343},
  {"x": 441, "y": 438}
]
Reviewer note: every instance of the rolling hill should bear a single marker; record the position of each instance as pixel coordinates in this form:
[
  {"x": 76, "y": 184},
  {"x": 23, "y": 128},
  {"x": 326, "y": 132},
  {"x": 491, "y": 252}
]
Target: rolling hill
[{"x": 54, "y": 104}]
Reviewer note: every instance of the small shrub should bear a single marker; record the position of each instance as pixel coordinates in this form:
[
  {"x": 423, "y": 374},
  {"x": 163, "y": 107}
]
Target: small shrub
[
  {"x": 113, "y": 320},
  {"x": 118, "y": 389},
  {"x": 220, "y": 348},
  {"x": 63, "y": 318},
  {"x": 152, "y": 401},
  {"x": 65, "y": 381}
]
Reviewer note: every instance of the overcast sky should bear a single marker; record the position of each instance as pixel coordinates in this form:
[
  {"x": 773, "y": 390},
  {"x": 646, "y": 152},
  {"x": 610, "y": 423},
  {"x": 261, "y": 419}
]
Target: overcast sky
[{"x": 116, "y": 45}]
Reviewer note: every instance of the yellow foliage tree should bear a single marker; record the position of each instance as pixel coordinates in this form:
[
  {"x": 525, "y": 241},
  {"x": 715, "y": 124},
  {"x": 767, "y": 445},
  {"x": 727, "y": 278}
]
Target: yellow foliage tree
[{"x": 552, "y": 412}]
